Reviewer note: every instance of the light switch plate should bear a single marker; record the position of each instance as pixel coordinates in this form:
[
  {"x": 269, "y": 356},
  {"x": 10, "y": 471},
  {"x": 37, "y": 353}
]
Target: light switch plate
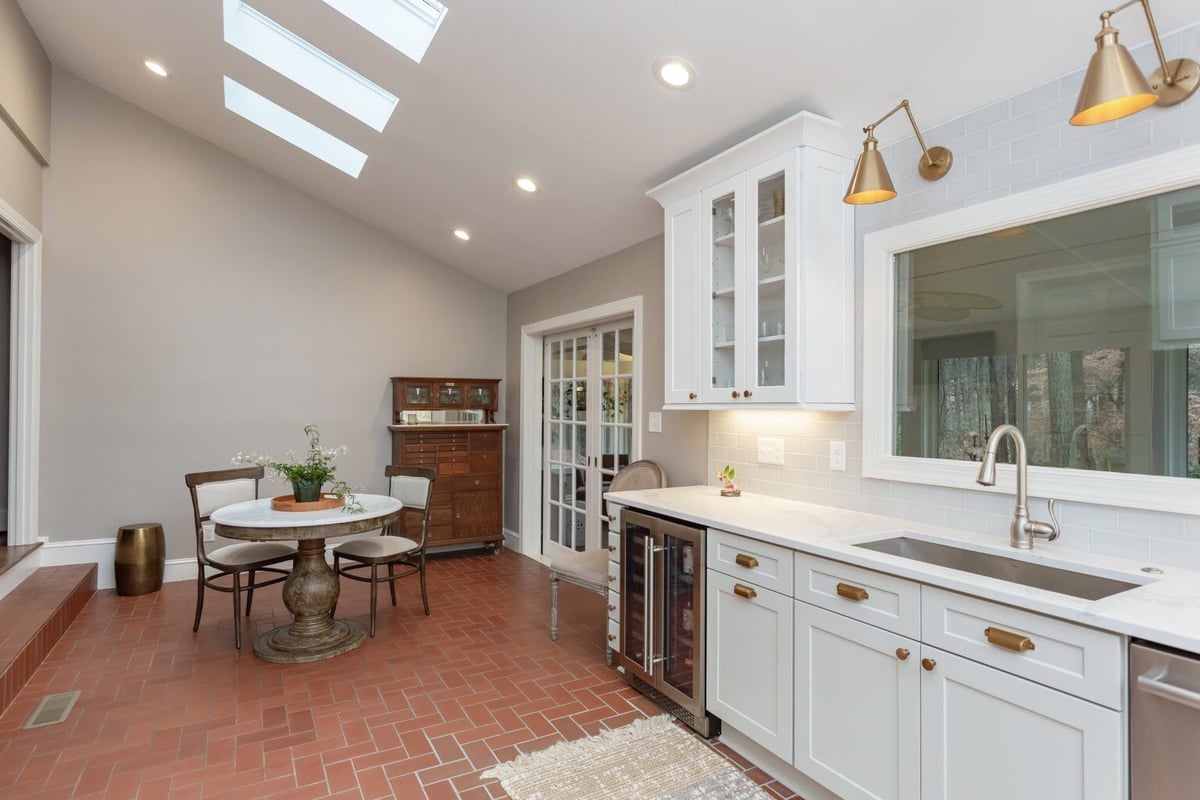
[
  {"x": 837, "y": 456},
  {"x": 770, "y": 450},
  {"x": 655, "y": 423}
]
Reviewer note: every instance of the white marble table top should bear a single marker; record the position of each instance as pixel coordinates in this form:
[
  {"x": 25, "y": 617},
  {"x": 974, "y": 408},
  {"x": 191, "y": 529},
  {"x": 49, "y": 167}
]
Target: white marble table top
[{"x": 259, "y": 514}]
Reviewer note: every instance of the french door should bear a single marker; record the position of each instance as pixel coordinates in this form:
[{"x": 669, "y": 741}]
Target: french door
[{"x": 589, "y": 409}]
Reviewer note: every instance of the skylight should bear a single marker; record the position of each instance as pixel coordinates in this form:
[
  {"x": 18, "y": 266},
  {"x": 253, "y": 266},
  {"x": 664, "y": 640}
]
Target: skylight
[
  {"x": 407, "y": 25},
  {"x": 266, "y": 41},
  {"x": 293, "y": 129}
]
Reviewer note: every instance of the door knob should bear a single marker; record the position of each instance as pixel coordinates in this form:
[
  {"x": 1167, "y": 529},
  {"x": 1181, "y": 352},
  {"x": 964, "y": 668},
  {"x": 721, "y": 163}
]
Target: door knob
[
  {"x": 748, "y": 393},
  {"x": 736, "y": 394},
  {"x": 691, "y": 395},
  {"x": 901, "y": 653},
  {"x": 928, "y": 664}
]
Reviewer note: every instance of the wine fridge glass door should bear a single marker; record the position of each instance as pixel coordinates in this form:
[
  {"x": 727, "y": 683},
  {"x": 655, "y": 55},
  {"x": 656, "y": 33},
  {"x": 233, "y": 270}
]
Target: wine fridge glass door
[
  {"x": 636, "y": 625},
  {"x": 681, "y": 646}
]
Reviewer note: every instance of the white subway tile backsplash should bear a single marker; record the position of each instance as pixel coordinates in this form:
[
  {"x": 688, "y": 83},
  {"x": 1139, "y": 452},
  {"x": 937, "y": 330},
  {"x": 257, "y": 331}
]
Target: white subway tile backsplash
[{"x": 999, "y": 149}]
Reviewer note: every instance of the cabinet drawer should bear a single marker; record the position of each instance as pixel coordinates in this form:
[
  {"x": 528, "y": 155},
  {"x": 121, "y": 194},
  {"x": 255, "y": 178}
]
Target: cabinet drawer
[
  {"x": 614, "y": 574},
  {"x": 614, "y": 636},
  {"x": 1072, "y": 658},
  {"x": 614, "y": 605},
  {"x": 476, "y": 482},
  {"x": 614, "y": 547},
  {"x": 883, "y": 600},
  {"x": 485, "y": 440},
  {"x": 760, "y": 563},
  {"x": 485, "y": 462}
]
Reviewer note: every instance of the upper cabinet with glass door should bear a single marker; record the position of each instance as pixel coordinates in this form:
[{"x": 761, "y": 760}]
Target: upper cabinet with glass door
[{"x": 759, "y": 274}]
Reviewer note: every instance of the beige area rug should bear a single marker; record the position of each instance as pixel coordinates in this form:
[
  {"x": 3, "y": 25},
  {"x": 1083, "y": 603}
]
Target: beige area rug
[{"x": 650, "y": 759}]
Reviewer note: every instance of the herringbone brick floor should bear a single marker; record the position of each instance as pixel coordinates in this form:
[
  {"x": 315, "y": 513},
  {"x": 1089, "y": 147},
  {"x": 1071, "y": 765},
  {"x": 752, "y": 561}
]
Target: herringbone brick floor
[{"x": 415, "y": 713}]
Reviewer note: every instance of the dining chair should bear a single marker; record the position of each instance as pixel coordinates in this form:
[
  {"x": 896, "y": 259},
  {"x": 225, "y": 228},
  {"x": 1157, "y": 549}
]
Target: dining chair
[
  {"x": 210, "y": 491},
  {"x": 412, "y": 486},
  {"x": 589, "y": 569}
]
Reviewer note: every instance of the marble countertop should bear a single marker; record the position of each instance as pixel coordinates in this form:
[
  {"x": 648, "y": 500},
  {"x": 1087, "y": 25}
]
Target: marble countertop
[{"x": 1164, "y": 609}]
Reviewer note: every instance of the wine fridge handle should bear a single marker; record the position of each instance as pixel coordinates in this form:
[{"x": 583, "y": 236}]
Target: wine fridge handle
[{"x": 648, "y": 621}]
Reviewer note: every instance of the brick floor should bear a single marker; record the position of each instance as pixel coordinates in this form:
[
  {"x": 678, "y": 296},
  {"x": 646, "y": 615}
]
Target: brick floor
[{"x": 418, "y": 712}]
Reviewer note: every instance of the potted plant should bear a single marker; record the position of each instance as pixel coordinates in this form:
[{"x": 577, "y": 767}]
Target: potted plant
[
  {"x": 308, "y": 476},
  {"x": 728, "y": 487}
]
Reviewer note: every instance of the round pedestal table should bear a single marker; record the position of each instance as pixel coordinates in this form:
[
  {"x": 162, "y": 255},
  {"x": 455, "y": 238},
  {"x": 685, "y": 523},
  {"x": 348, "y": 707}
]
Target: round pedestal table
[{"x": 311, "y": 589}]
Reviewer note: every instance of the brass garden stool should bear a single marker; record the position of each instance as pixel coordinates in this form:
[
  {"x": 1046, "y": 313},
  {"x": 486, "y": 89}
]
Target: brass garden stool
[{"x": 141, "y": 558}]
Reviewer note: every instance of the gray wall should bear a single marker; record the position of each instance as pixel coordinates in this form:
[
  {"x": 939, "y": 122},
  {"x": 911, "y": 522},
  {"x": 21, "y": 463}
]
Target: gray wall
[
  {"x": 1000, "y": 149},
  {"x": 636, "y": 270},
  {"x": 24, "y": 113},
  {"x": 194, "y": 306}
]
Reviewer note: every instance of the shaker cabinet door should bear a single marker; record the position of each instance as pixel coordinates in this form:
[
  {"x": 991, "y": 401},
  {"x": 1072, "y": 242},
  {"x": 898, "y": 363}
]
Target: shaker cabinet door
[
  {"x": 989, "y": 735},
  {"x": 858, "y": 707},
  {"x": 749, "y": 663},
  {"x": 682, "y": 352}
]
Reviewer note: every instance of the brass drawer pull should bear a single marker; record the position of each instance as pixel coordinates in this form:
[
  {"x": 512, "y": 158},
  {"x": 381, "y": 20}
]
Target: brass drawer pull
[
  {"x": 744, "y": 591},
  {"x": 901, "y": 654},
  {"x": 743, "y": 560},
  {"x": 855, "y": 593},
  {"x": 1009, "y": 640}
]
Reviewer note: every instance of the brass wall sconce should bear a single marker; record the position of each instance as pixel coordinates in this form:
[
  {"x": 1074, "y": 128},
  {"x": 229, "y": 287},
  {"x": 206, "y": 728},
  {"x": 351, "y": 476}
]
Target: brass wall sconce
[
  {"x": 871, "y": 182},
  {"x": 1114, "y": 85}
]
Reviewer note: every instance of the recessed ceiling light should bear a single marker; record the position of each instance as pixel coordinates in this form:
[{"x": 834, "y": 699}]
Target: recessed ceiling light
[
  {"x": 526, "y": 185},
  {"x": 462, "y": 234},
  {"x": 157, "y": 68},
  {"x": 675, "y": 73}
]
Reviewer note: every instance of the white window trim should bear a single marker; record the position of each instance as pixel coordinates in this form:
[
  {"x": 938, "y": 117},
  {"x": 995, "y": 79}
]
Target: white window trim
[
  {"x": 1156, "y": 175},
  {"x": 532, "y": 369}
]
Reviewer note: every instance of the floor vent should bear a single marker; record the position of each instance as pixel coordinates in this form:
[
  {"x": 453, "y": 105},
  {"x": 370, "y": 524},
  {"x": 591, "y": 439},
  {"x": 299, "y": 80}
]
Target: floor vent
[{"x": 51, "y": 710}]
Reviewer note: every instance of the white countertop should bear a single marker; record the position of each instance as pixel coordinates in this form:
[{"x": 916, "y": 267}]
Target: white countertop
[{"x": 1166, "y": 609}]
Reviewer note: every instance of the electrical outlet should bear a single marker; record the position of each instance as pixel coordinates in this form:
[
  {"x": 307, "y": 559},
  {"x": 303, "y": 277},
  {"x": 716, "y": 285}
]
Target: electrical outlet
[
  {"x": 837, "y": 456},
  {"x": 770, "y": 450},
  {"x": 655, "y": 424}
]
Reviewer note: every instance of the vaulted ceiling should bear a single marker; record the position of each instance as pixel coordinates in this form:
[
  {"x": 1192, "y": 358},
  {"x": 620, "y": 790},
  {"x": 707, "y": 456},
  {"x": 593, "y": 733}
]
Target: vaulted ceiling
[{"x": 563, "y": 91}]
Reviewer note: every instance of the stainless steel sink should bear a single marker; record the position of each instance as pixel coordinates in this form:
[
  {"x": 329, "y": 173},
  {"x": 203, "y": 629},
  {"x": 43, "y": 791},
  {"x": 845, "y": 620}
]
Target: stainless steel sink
[{"x": 1038, "y": 576}]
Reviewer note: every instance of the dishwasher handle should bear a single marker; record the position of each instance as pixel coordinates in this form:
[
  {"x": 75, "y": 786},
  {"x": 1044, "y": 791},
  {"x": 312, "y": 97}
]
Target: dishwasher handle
[{"x": 1153, "y": 682}]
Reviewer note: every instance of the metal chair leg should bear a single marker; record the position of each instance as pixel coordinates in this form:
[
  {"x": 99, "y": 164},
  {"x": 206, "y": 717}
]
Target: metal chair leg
[
  {"x": 199, "y": 597},
  {"x": 250, "y": 593},
  {"x": 392, "y": 581},
  {"x": 554, "y": 608},
  {"x": 374, "y": 591},
  {"x": 237, "y": 610},
  {"x": 424, "y": 593}
]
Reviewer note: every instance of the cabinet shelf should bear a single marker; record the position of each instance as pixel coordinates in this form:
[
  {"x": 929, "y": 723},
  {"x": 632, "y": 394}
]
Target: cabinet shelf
[
  {"x": 728, "y": 240},
  {"x": 773, "y": 338},
  {"x": 726, "y": 292},
  {"x": 767, "y": 223}
]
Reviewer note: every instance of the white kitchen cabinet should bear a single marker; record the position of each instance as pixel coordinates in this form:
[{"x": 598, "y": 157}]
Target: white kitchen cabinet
[
  {"x": 759, "y": 274},
  {"x": 749, "y": 660},
  {"x": 858, "y": 707},
  {"x": 989, "y": 735}
]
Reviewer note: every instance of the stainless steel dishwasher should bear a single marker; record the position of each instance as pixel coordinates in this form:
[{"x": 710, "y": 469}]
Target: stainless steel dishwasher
[{"x": 1164, "y": 723}]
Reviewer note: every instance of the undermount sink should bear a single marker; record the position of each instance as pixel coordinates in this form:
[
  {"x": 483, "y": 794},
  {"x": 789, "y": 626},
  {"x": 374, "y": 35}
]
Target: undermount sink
[{"x": 1038, "y": 576}]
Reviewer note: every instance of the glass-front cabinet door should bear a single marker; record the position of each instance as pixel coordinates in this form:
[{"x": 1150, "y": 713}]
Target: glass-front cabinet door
[
  {"x": 771, "y": 298},
  {"x": 720, "y": 224}
]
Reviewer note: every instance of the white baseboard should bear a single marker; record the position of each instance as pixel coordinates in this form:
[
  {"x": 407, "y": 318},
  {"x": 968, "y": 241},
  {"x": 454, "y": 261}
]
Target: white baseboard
[
  {"x": 512, "y": 540},
  {"x": 101, "y": 552}
]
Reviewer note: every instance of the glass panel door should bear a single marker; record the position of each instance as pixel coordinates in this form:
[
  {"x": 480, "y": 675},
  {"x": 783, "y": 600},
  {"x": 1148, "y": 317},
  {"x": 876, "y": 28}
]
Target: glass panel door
[
  {"x": 636, "y": 540},
  {"x": 616, "y": 422},
  {"x": 681, "y": 619},
  {"x": 719, "y": 231},
  {"x": 771, "y": 302},
  {"x": 565, "y": 443}
]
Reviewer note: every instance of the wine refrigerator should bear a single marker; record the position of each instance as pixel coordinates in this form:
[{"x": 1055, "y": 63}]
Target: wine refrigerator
[{"x": 662, "y": 615}]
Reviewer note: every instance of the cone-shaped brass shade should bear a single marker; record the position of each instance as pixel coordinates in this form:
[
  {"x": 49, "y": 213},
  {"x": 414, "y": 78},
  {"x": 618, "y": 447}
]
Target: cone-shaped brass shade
[
  {"x": 1114, "y": 85},
  {"x": 870, "y": 182}
]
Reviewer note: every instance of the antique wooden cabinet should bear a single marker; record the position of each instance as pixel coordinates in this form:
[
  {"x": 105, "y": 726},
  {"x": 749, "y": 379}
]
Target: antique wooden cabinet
[{"x": 434, "y": 428}]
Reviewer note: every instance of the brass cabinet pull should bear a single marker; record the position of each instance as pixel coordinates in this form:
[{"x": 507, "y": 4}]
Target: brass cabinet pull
[
  {"x": 743, "y": 560},
  {"x": 612, "y": 638},
  {"x": 901, "y": 653},
  {"x": 748, "y": 393},
  {"x": 855, "y": 593},
  {"x": 691, "y": 395},
  {"x": 744, "y": 591},
  {"x": 928, "y": 664},
  {"x": 1009, "y": 640},
  {"x": 736, "y": 394}
]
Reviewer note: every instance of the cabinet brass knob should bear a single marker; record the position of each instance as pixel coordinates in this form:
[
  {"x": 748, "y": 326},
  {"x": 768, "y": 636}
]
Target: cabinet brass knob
[
  {"x": 612, "y": 548},
  {"x": 855, "y": 593},
  {"x": 612, "y": 578},
  {"x": 744, "y": 591},
  {"x": 612, "y": 638},
  {"x": 611, "y": 607},
  {"x": 748, "y": 393},
  {"x": 691, "y": 395},
  {"x": 901, "y": 653},
  {"x": 743, "y": 560},
  {"x": 928, "y": 664},
  {"x": 736, "y": 394},
  {"x": 1009, "y": 640}
]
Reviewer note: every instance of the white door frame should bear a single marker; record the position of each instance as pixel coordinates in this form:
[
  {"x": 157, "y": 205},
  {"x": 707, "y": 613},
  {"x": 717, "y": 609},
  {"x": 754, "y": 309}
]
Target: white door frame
[
  {"x": 532, "y": 368},
  {"x": 24, "y": 376}
]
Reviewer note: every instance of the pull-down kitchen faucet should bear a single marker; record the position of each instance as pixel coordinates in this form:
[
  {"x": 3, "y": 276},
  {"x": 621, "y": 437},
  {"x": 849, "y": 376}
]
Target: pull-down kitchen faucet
[{"x": 1023, "y": 530}]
